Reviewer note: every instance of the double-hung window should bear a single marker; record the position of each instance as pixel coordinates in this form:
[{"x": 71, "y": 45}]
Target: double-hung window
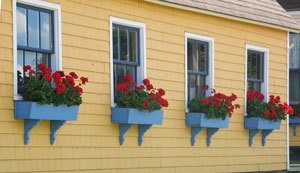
[
  {"x": 294, "y": 69},
  {"x": 199, "y": 60},
  {"x": 36, "y": 37},
  {"x": 128, "y": 52},
  {"x": 257, "y": 70},
  {"x": 255, "y": 61},
  {"x": 125, "y": 53},
  {"x": 197, "y": 67}
]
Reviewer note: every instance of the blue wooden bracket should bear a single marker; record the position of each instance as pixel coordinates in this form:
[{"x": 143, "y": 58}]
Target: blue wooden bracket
[
  {"x": 294, "y": 126},
  {"x": 123, "y": 129},
  {"x": 142, "y": 130},
  {"x": 252, "y": 133},
  {"x": 210, "y": 133},
  {"x": 54, "y": 126},
  {"x": 265, "y": 133},
  {"x": 195, "y": 131},
  {"x": 28, "y": 125}
]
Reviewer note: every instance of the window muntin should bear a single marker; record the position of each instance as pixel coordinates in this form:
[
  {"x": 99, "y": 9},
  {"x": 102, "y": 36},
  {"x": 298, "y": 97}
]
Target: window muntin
[
  {"x": 294, "y": 69},
  {"x": 255, "y": 71},
  {"x": 126, "y": 53},
  {"x": 197, "y": 70},
  {"x": 34, "y": 38}
]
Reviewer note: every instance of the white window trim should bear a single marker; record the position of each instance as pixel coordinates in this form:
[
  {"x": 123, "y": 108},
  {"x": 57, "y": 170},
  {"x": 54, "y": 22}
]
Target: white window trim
[
  {"x": 210, "y": 78},
  {"x": 57, "y": 64},
  {"x": 265, "y": 86},
  {"x": 142, "y": 67}
]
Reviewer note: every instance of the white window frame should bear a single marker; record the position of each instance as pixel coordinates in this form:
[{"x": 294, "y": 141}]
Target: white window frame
[
  {"x": 56, "y": 57},
  {"x": 141, "y": 70},
  {"x": 264, "y": 85},
  {"x": 210, "y": 77}
]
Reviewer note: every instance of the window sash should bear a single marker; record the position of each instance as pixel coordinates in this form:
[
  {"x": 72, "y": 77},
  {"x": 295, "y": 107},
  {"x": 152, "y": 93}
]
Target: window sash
[
  {"x": 51, "y": 23},
  {"x": 199, "y": 76},
  {"x": 199, "y": 80},
  {"x": 255, "y": 83},
  {"x": 191, "y": 54},
  {"x": 129, "y": 52},
  {"x": 259, "y": 75}
]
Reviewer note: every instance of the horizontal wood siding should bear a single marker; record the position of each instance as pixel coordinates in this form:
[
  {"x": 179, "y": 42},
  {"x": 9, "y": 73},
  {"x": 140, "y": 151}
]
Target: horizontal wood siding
[{"x": 91, "y": 144}]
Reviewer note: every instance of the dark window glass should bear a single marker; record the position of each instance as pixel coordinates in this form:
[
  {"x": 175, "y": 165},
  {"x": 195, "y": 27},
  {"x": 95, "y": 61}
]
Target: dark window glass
[
  {"x": 197, "y": 59},
  {"x": 125, "y": 53},
  {"x": 255, "y": 62},
  {"x": 294, "y": 67},
  {"x": 34, "y": 38}
]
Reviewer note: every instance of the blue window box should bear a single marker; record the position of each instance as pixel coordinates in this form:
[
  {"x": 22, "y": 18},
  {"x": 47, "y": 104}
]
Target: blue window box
[
  {"x": 33, "y": 113},
  {"x": 294, "y": 121},
  {"x": 199, "y": 121},
  {"x": 256, "y": 124},
  {"x": 127, "y": 117}
]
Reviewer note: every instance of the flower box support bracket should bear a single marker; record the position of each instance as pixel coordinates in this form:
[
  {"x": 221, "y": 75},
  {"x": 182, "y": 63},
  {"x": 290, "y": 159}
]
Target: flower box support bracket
[
  {"x": 142, "y": 130},
  {"x": 210, "y": 133},
  {"x": 54, "y": 126},
  {"x": 28, "y": 125},
  {"x": 195, "y": 131},
  {"x": 265, "y": 133},
  {"x": 252, "y": 133},
  {"x": 123, "y": 129},
  {"x": 294, "y": 126}
]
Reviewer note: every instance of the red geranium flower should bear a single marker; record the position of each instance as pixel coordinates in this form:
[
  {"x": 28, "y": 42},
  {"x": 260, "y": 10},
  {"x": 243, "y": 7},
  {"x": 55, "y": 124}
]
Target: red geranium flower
[
  {"x": 84, "y": 80},
  {"x": 146, "y": 104},
  {"x": 74, "y": 75},
  {"x": 60, "y": 89}
]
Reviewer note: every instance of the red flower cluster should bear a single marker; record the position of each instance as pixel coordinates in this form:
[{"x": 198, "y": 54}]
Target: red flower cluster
[
  {"x": 252, "y": 96},
  {"x": 274, "y": 103},
  {"x": 62, "y": 82},
  {"x": 218, "y": 98},
  {"x": 274, "y": 109},
  {"x": 152, "y": 99}
]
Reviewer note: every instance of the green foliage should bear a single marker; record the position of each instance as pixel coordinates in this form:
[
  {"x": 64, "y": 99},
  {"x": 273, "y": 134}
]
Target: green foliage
[
  {"x": 218, "y": 106},
  {"x": 56, "y": 89},
  {"x": 144, "y": 97}
]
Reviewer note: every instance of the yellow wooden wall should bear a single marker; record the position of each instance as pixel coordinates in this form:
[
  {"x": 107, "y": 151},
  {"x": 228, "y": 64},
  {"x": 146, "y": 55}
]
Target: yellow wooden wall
[{"x": 91, "y": 144}]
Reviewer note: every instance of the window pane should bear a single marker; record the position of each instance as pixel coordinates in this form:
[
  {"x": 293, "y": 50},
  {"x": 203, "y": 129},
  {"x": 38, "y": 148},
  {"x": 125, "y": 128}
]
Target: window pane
[
  {"x": 21, "y": 26},
  {"x": 116, "y": 43},
  {"x": 124, "y": 44},
  {"x": 255, "y": 65},
  {"x": 294, "y": 51},
  {"x": 20, "y": 70},
  {"x": 133, "y": 46},
  {"x": 259, "y": 66},
  {"x": 42, "y": 58},
  {"x": 46, "y": 40},
  {"x": 190, "y": 54},
  {"x": 131, "y": 70},
  {"x": 30, "y": 59},
  {"x": 194, "y": 86},
  {"x": 121, "y": 72},
  {"x": 294, "y": 88},
  {"x": 33, "y": 28},
  {"x": 195, "y": 57},
  {"x": 203, "y": 55},
  {"x": 254, "y": 86}
]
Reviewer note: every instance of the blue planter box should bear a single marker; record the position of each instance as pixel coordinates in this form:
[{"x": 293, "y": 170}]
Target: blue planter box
[
  {"x": 256, "y": 124},
  {"x": 127, "y": 117},
  {"x": 33, "y": 113},
  {"x": 294, "y": 121},
  {"x": 198, "y": 121}
]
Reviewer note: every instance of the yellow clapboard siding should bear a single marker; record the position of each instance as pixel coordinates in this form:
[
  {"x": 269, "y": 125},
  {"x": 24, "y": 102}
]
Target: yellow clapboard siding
[{"x": 91, "y": 144}]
